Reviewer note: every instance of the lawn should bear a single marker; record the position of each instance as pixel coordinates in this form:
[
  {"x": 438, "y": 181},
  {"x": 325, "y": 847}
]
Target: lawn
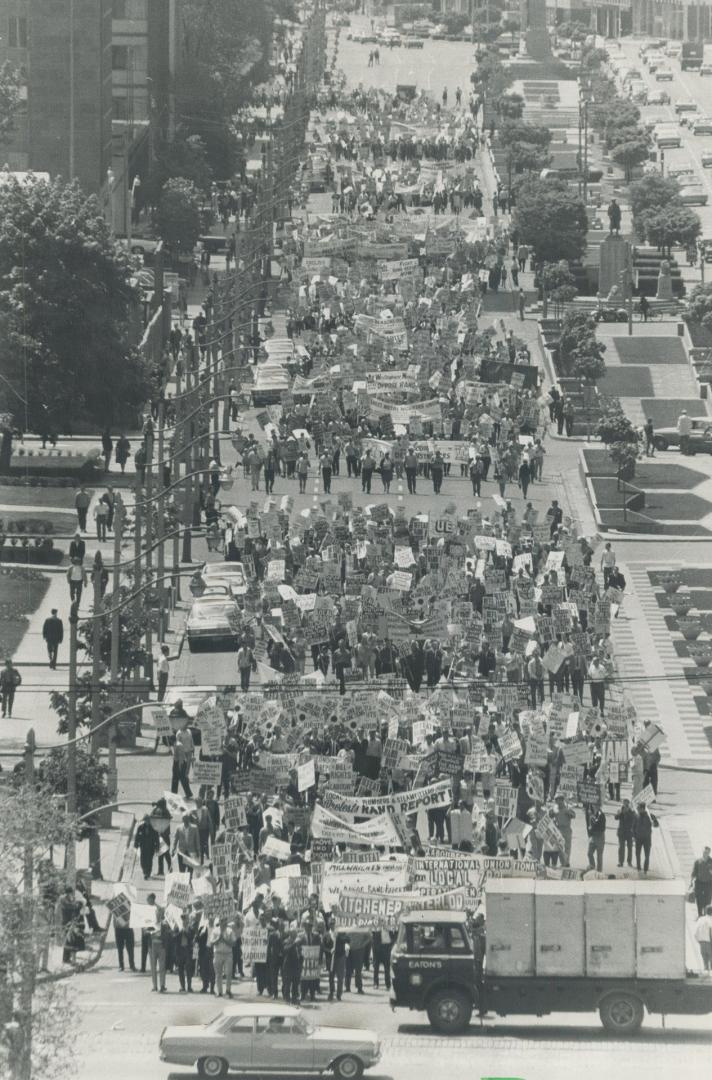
[
  {"x": 650, "y": 350},
  {"x": 624, "y": 382},
  {"x": 684, "y": 507},
  {"x": 653, "y": 472},
  {"x": 54, "y": 498},
  {"x": 21, "y": 593},
  {"x": 692, "y": 576}
]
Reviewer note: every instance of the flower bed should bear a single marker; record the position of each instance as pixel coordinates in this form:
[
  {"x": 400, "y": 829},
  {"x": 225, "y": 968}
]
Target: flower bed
[
  {"x": 21, "y": 593},
  {"x": 70, "y": 463}
]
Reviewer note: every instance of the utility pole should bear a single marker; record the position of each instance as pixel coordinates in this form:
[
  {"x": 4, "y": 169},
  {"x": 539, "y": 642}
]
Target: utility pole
[
  {"x": 149, "y": 553},
  {"x": 119, "y": 513},
  {"x": 161, "y": 512},
  {"x": 71, "y": 857},
  {"x": 28, "y": 966}
]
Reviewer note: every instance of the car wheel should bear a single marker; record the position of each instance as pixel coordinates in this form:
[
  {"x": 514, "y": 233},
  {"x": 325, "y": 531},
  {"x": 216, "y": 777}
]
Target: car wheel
[
  {"x": 621, "y": 1014},
  {"x": 348, "y": 1067},
  {"x": 212, "y": 1066},
  {"x": 449, "y": 1012},
  {"x": 660, "y": 444}
]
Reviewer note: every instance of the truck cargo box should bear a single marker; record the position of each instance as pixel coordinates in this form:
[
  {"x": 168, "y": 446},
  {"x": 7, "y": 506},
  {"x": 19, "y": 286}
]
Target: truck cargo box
[
  {"x": 660, "y": 929},
  {"x": 559, "y": 932},
  {"x": 609, "y": 912},
  {"x": 510, "y": 926}
]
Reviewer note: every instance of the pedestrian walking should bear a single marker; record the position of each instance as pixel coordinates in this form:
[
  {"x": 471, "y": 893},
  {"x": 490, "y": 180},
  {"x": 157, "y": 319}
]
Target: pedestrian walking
[
  {"x": 77, "y": 579},
  {"x": 183, "y": 941},
  {"x": 649, "y": 434},
  {"x": 186, "y": 845},
  {"x": 107, "y": 446},
  {"x": 246, "y": 664},
  {"x": 386, "y": 473},
  {"x": 81, "y": 505},
  {"x": 367, "y": 467},
  {"x": 521, "y": 301},
  {"x": 437, "y": 468},
  {"x": 644, "y": 307},
  {"x": 302, "y": 472},
  {"x": 10, "y": 679},
  {"x": 53, "y": 634},
  {"x": 101, "y": 519},
  {"x": 124, "y": 936},
  {"x": 326, "y": 463},
  {"x": 146, "y": 842},
  {"x": 524, "y": 476},
  {"x": 183, "y": 750},
  {"x": 410, "y": 464}
]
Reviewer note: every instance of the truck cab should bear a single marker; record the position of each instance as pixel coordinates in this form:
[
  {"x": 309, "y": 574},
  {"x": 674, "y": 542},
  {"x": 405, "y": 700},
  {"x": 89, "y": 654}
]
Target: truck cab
[{"x": 433, "y": 968}]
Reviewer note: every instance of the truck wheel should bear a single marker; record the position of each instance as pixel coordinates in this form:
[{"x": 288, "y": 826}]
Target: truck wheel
[
  {"x": 348, "y": 1067},
  {"x": 621, "y": 1014},
  {"x": 449, "y": 1012},
  {"x": 212, "y": 1067}
]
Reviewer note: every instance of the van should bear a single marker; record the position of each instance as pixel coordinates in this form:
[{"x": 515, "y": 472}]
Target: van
[{"x": 667, "y": 137}]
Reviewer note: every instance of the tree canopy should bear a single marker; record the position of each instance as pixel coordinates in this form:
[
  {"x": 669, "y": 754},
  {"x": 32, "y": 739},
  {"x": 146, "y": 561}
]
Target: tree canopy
[
  {"x": 10, "y": 83},
  {"x": 699, "y": 308},
  {"x": 66, "y": 302},
  {"x": 580, "y": 352},
  {"x": 177, "y": 216},
  {"x": 551, "y": 219},
  {"x": 674, "y": 224}
]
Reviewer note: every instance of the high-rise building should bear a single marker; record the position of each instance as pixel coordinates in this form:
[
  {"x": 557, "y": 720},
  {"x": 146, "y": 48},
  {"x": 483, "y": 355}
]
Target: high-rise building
[{"x": 63, "y": 49}]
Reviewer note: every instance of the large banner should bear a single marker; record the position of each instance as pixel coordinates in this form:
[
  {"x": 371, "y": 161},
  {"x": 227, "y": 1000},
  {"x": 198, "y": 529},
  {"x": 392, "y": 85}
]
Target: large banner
[
  {"x": 379, "y": 830},
  {"x": 404, "y": 802}
]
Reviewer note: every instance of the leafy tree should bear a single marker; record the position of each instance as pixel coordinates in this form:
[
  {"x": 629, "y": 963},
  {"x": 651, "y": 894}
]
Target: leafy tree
[
  {"x": 510, "y": 106},
  {"x": 613, "y": 425},
  {"x": 652, "y": 191},
  {"x": 186, "y": 157},
  {"x": 631, "y": 151},
  {"x": 580, "y": 353},
  {"x": 66, "y": 304},
  {"x": 37, "y": 1014},
  {"x": 551, "y": 220},
  {"x": 559, "y": 282},
  {"x": 674, "y": 224},
  {"x": 177, "y": 216},
  {"x": 573, "y": 31},
  {"x": 525, "y": 158},
  {"x": 593, "y": 58},
  {"x": 699, "y": 307},
  {"x": 92, "y": 789},
  {"x": 10, "y": 84},
  {"x": 516, "y": 131},
  {"x": 455, "y": 23},
  {"x": 491, "y": 77}
]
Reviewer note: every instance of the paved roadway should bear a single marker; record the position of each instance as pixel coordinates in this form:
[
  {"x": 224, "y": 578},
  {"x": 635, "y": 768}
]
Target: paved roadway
[
  {"x": 686, "y": 86},
  {"x": 121, "y": 1020}
]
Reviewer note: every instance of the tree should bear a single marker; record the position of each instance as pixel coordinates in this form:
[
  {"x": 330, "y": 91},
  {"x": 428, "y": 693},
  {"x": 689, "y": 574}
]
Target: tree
[
  {"x": 510, "y": 106},
  {"x": 491, "y": 77},
  {"x": 186, "y": 157},
  {"x": 631, "y": 151},
  {"x": 674, "y": 224},
  {"x": 551, "y": 220},
  {"x": 455, "y": 23},
  {"x": 593, "y": 58},
  {"x": 177, "y": 216},
  {"x": 66, "y": 304},
  {"x": 699, "y": 307},
  {"x": 37, "y": 1014},
  {"x": 648, "y": 195},
  {"x": 580, "y": 353},
  {"x": 613, "y": 425},
  {"x": 558, "y": 282},
  {"x": 516, "y": 131},
  {"x": 92, "y": 787},
  {"x": 10, "y": 86}
]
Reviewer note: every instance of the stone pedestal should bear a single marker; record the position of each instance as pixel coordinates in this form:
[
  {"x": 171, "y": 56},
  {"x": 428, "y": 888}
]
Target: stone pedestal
[
  {"x": 614, "y": 255},
  {"x": 664, "y": 291},
  {"x": 534, "y": 29}
]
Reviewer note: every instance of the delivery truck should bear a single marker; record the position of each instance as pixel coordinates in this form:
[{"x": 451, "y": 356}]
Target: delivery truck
[
  {"x": 692, "y": 55},
  {"x": 608, "y": 946}
]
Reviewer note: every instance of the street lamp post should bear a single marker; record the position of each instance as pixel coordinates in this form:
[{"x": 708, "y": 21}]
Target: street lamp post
[{"x": 71, "y": 856}]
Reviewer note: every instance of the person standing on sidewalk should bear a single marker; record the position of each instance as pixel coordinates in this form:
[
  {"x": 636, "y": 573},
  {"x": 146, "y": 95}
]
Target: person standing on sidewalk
[
  {"x": 147, "y": 842},
  {"x": 246, "y": 663},
  {"x": 326, "y": 463},
  {"x": 645, "y": 822},
  {"x": 124, "y": 941},
  {"x": 186, "y": 844},
  {"x": 160, "y": 937},
  {"x": 77, "y": 548},
  {"x": 701, "y": 880},
  {"x": 183, "y": 750},
  {"x": 53, "y": 634},
  {"x": 163, "y": 671},
  {"x": 626, "y": 829},
  {"x": 703, "y": 937},
  {"x": 81, "y": 505},
  {"x": 101, "y": 518},
  {"x": 183, "y": 939},
  {"x": 222, "y": 942},
  {"x": 10, "y": 679},
  {"x": 596, "y": 838}
]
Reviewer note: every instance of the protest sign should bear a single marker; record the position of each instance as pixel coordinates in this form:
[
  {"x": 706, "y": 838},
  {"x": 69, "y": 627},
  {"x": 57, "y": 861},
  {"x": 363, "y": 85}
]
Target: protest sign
[
  {"x": 407, "y": 802},
  {"x": 589, "y": 793},
  {"x": 119, "y": 906},
  {"x": 377, "y": 830},
  {"x": 311, "y": 962},
  {"x": 234, "y": 813},
  {"x": 207, "y": 773},
  {"x": 505, "y": 799},
  {"x": 276, "y": 849},
  {"x": 509, "y": 745},
  {"x": 306, "y": 775},
  {"x": 254, "y": 945},
  {"x": 646, "y": 796}
]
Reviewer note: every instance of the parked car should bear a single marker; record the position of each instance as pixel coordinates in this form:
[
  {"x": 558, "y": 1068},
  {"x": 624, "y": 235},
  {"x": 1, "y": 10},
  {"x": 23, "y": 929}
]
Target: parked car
[
  {"x": 668, "y": 438},
  {"x": 685, "y": 107},
  {"x": 213, "y": 617},
  {"x": 230, "y": 574},
  {"x": 703, "y": 126},
  {"x": 663, "y": 74},
  {"x": 707, "y": 159},
  {"x": 706, "y": 69},
  {"x": 693, "y": 196},
  {"x": 268, "y": 1037}
]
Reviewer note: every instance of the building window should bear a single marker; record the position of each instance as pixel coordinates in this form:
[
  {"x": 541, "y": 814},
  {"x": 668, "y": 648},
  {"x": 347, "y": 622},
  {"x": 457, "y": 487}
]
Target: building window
[
  {"x": 17, "y": 32},
  {"x": 121, "y": 108},
  {"x": 119, "y": 57}
]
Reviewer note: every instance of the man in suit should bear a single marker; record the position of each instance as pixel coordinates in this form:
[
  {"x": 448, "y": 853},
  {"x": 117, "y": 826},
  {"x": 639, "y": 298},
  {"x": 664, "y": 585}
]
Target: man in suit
[
  {"x": 77, "y": 548},
  {"x": 186, "y": 842},
  {"x": 53, "y": 634}
]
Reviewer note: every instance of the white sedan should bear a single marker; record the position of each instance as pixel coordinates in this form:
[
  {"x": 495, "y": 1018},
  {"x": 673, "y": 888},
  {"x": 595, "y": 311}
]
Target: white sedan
[
  {"x": 272, "y": 1038},
  {"x": 693, "y": 196},
  {"x": 703, "y": 126},
  {"x": 230, "y": 574}
]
